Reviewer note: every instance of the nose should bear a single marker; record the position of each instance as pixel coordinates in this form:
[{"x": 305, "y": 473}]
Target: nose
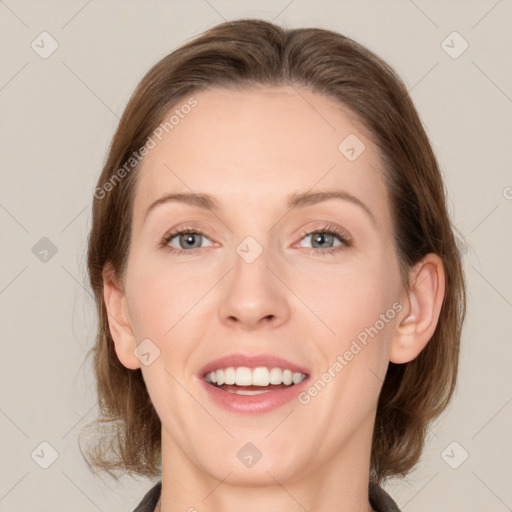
[{"x": 253, "y": 295}]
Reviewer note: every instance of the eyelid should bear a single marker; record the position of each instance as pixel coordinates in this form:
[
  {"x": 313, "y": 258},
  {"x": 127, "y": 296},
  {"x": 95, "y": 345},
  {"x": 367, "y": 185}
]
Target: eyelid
[
  {"x": 328, "y": 227},
  {"x": 192, "y": 226}
]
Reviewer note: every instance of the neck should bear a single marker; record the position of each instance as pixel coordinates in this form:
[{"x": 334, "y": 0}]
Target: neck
[{"x": 339, "y": 483}]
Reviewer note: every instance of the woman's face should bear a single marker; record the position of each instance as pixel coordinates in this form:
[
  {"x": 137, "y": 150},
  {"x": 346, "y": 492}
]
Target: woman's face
[{"x": 259, "y": 277}]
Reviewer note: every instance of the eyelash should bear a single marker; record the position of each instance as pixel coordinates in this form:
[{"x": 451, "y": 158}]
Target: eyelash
[{"x": 331, "y": 230}]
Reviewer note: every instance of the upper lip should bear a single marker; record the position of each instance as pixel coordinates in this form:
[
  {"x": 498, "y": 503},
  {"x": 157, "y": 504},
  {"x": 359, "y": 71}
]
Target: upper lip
[{"x": 251, "y": 361}]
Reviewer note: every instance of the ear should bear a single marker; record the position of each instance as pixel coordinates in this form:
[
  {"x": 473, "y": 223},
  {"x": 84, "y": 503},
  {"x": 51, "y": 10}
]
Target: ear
[
  {"x": 119, "y": 320},
  {"x": 424, "y": 297}
]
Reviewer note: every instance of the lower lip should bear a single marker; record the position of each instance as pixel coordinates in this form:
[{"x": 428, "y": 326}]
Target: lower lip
[{"x": 253, "y": 404}]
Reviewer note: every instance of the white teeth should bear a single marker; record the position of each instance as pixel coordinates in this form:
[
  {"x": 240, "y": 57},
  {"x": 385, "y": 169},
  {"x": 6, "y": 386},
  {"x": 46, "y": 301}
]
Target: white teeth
[
  {"x": 276, "y": 376},
  {"x": 261, "y": 376},
  {"x": 296, "y": 378},
  {"x": 243, "y": 376},
  {"x": 248, "y": 392},
  {"x": 229, "y": 376}
]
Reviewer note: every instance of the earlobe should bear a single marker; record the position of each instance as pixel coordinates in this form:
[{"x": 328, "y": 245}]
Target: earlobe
[
  {"x": 119, "y": 321},
  {"x": 425, "y": 297}
]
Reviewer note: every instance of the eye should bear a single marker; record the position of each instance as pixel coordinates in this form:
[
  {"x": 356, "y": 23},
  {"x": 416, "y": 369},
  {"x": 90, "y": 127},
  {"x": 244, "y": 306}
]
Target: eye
[
  {"x": 322, "y": 238},
  {"x": 187, "y": 237}
]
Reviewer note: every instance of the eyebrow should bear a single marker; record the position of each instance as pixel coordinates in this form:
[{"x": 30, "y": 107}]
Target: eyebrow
[{"x": 294, "y": 201}]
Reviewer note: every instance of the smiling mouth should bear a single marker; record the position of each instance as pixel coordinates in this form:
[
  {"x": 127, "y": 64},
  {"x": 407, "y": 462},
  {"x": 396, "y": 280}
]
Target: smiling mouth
[{"x": 256, "y": 381}]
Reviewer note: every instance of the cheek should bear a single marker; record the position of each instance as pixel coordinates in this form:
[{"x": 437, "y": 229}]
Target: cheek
[
  {"x": 354, "y": 297},
  {"x": 356, "y": 357},
  {"x": 360, "y": 306},
  {"x": 159, "y": 296}
]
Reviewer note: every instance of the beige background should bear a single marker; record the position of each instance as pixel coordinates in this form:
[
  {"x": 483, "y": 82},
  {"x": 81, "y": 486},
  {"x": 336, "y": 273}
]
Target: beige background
[{"x": 57, "y": 117}]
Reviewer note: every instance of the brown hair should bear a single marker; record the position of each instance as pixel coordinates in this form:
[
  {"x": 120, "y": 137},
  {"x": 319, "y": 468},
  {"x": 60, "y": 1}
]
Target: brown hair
[{"x": 252, "y": 53}]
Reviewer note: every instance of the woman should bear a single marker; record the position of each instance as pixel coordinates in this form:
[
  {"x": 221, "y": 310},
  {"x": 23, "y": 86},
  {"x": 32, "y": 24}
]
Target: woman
[{"x": 239, "y": 359}]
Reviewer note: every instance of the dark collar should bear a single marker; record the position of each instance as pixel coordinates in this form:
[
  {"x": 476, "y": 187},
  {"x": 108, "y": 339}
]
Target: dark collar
[{"x": 379, "y": 499}]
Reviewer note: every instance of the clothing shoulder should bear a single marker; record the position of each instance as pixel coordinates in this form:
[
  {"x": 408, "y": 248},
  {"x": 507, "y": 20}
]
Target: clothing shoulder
[
  {"x": 150, "y": 499},
  {"x": 380, "y": 500}
]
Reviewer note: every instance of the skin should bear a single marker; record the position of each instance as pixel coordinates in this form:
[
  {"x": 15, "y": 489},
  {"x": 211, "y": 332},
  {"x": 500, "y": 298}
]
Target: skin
[{"x": 251, "y": 150}]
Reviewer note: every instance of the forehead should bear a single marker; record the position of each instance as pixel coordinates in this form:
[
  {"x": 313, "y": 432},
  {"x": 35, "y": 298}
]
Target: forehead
[{"x": 259, "y": 146}]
